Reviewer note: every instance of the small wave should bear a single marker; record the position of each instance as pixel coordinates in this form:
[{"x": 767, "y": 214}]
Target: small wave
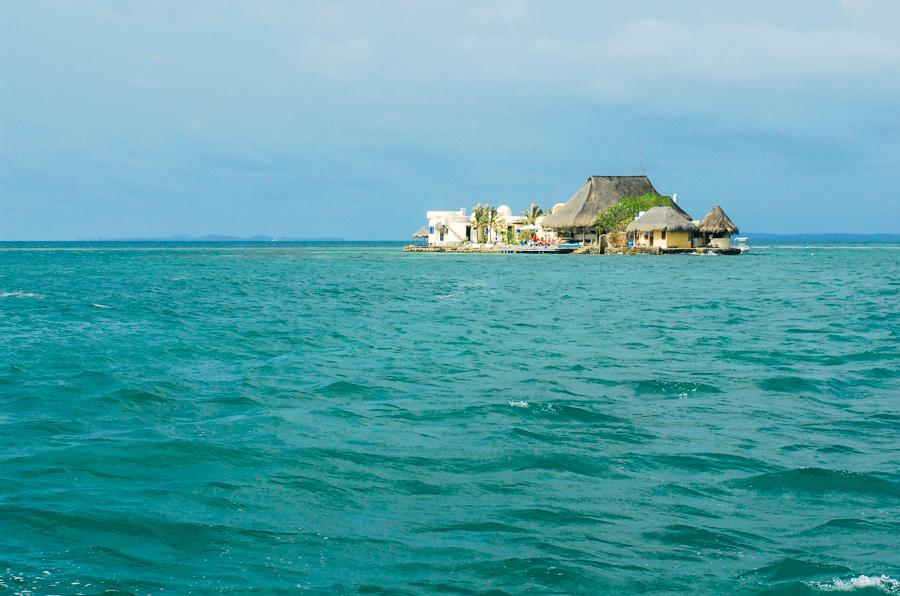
[
  {"x": 796, "y": 569},
  {"x": 707, "y": 462},
  {"x": 95, "y": 305},
  {"x": 819, "y": 480},
  {"x": 845, "y": 524},
  {"x": 697, "y": 538},
  {"x": 565, "y": 411},
  {"x": 882, "y": 583},
  {"x": 550, "y": 462},
  {"x": 678, "y": 389},
  {"x": 486, "y": 526},
  {"x": 347, "y": 389},
  {"x": 789, "y": 384},
  {"x": 864, "y": 356},
  {"x": 19, "y": 295},
  {"x": 135, "y": 398},
  {"x": 417, "y": 487},
  {"x": 564, "y": 517},
  {"x": 539, "y": 437},
  {"x": 837, "y": 449}
]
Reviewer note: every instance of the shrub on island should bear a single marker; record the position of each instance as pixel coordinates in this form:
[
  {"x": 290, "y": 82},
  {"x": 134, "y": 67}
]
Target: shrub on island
[{"x": 617, "y": 216}]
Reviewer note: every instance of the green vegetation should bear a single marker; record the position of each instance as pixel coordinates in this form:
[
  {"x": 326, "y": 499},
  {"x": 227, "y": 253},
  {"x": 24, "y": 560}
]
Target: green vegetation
[
  {"x": 492, "y": 220},
  {"x": 480, "y": 211},
  {"x": 618, "y": 215},
  {"x": 487, "y": 219},
  {"x": 532, "y": 214}
]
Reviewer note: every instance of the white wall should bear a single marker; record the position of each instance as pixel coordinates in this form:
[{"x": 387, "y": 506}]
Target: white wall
[{"x": 455, "y": 223}]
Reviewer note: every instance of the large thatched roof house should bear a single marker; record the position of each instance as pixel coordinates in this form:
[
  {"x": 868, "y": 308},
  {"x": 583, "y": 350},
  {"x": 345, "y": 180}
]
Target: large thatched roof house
[
  {"x": 580, "y": 212},
  {"x": 665, "y": 227}
]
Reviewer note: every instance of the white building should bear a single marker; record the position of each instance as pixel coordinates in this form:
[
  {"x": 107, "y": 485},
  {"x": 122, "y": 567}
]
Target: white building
[
  {"x": 511, "y": 224},
  {"x": 451, "y": 228},
  {"x": 448, "y": 228}
]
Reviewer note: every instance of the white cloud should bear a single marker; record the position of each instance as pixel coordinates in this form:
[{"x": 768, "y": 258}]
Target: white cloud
[
  {"x": 748, "y": 51},
  {"x": 880, "y": 17},
  {"x": 666, "y": 50}
]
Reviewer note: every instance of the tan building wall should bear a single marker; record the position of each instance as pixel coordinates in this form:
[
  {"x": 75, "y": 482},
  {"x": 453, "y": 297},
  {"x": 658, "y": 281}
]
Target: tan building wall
[
  {"x": 677, "y": 240},
  {"x": 672, "y": 239},
  {"x": 643, "y": 238}
]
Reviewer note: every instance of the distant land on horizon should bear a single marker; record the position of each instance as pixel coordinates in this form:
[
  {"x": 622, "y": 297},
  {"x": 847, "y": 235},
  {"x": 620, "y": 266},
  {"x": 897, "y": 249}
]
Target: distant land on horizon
[
  {"x": 220, "y": 238},
  {"x": 820, "y": 237}
]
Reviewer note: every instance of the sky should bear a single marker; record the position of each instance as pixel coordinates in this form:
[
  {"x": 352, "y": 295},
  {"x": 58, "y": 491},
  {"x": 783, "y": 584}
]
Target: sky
[{"x": 131, "y": 119}]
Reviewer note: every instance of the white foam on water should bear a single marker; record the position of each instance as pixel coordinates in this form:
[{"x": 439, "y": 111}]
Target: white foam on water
[
  {"x": 519, "y": 404},
  {"x": 94, "y": 304},
  {"x": 829, "y": 247},
  {"x": 886, "y": 584},
  {"x": 18, "y": 295}
]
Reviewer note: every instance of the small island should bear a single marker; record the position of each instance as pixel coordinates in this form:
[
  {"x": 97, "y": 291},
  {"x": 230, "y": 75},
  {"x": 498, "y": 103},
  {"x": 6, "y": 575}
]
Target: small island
[{"x": 607, "y": 215}]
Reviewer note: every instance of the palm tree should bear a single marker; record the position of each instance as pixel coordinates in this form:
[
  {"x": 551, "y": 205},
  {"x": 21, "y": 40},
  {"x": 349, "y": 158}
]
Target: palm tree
[
  {"x": 492, "y": 219},
  {"x": 532, "y": 214},
  {"x": 480, "y": 212}
]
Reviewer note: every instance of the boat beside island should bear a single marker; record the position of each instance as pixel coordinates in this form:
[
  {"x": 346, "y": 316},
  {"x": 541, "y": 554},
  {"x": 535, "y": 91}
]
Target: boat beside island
[{"x": 607, "y": 215}]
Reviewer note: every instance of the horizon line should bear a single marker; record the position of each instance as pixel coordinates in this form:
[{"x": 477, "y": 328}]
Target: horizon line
[{"x": 260, "y": 239}]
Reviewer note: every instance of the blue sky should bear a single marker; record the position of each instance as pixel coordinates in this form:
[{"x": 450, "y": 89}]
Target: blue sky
[{"x": 136, "y": 119}]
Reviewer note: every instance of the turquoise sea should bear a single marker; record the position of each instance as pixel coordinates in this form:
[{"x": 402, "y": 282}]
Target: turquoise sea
[{"x": 350, "y": 418}]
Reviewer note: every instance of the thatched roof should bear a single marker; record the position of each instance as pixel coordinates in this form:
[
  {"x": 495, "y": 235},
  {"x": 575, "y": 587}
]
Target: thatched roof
[
  {"x": 662, "y": 218},
  {"x": 716, "y": 222},
  {"x": 422, "y": 233},
  {"x": 595, "y": 195}
]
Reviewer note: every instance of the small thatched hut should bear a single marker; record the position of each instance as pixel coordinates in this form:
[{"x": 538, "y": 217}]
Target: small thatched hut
[
  {"x": 665, "y": 227},
  {"x": 718, "y": 228},
  {"x": 579, "y": 213},
  {"x": 421, "y": 234}
]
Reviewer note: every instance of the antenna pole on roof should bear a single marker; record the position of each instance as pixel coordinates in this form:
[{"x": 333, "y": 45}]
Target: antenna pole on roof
[{"x": 642, "y": 160}]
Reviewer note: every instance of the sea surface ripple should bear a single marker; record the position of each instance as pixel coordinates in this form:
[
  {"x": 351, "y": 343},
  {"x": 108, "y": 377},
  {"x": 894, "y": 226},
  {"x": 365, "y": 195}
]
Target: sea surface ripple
[{"x": 354, "y": 419}]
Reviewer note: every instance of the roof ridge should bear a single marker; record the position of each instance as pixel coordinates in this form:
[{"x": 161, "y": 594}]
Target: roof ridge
[{"x": 618, "y": 176}]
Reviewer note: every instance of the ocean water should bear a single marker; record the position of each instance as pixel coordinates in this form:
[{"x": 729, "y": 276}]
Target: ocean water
[{"x": 354, "y": 419}]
